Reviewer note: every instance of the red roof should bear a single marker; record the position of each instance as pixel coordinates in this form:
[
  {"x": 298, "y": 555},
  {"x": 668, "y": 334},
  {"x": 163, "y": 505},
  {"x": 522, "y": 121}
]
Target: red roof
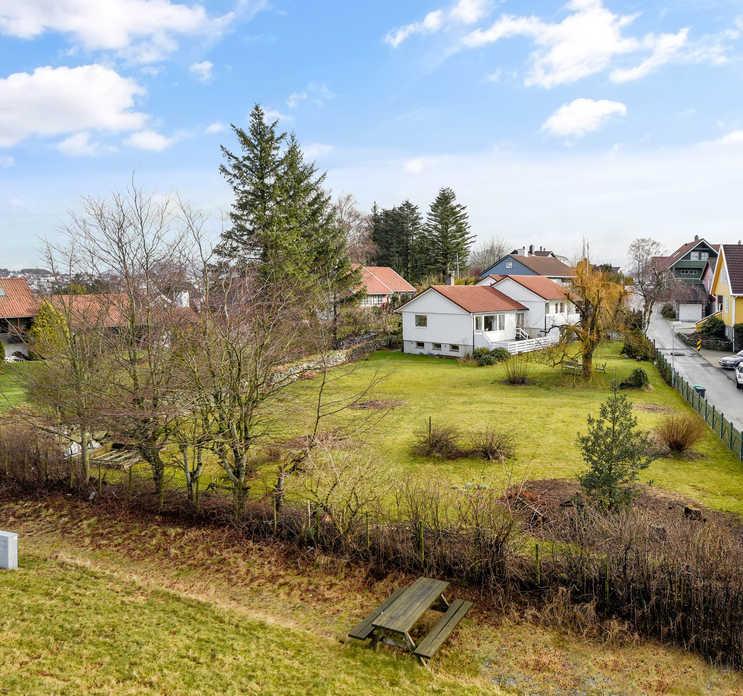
[
  {"x": 546, "y": 288},
  {"x": 102, "y": 310},
  {"x": 16, "y": 299},
  {"x": 383, "y": 280},
  {"x": 683, "y": 250},
  {"x": 734, "y": 263},
  {"x": 478, "y": 298}
]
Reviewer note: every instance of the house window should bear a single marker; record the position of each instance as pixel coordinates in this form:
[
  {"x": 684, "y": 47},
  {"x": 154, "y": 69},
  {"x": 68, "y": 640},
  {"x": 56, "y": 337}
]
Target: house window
[
  {"x": 695, "y": 256},
  {"x": 562, "y": 308},
  {"x": 495, "y": 322},
  {"x": 478, "y": 323},
  {"x": 509, "y": 264},
  {"x": 703, "y": 255},
  {"x": 421, "y": 320},
  {"x": 546, "y": 307},
  {"x": 436, "y": 346},
  {"x": 420, "y": 345},
  {"x": 453, "y": 348}
]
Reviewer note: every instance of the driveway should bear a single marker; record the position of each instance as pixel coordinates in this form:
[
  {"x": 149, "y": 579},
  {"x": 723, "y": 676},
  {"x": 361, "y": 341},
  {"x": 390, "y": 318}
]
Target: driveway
[{"x": 720, "y": 384}]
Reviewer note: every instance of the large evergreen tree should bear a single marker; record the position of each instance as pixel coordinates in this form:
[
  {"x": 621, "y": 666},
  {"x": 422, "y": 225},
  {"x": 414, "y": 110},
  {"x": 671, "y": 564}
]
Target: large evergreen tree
[
  {"x": 448, "y": 234},
  {"x": 253, "y": 175},
  {"x": 397, "y": 234}
]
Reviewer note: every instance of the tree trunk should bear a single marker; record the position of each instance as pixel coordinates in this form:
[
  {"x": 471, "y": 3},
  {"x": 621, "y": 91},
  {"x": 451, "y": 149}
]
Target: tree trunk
[
  {"x": 84, "y": 456},
  {"x": 587, "y": 364}
]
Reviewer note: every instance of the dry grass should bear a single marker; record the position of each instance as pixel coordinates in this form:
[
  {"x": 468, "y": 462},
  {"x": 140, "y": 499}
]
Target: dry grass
[{"x": 681, "y": 432}]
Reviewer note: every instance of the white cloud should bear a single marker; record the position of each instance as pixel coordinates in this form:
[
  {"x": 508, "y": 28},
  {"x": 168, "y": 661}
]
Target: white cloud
[
  {"x": 79, "y": 145},
  {"x": 417, "y": 165},
  {"x": 202, "y": 70},
  {"x": 216, "y": 127},
  {"x": 582, "y": 116},
  {"x": 142, "y": 30},
  {"x": 276, "y": 115},
  {"x": 462, "y": 12},
  {"x": 590, "y": 39},
  {"x": 149, "y": 140},
  {"x": 732, "y": 138},
  {"x": 316, "y": 150},
  {"x": 6, "y": 161},
  {"x": 317, "y": 93},
  {"x": 664, "y": 48},
  {"x": 56, "y": 101}
]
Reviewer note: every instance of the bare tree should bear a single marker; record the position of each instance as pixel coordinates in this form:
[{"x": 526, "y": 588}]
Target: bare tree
[
  {"x": 357, "y": 228},
  {"x": 486, "y": 254},
  {"x": 650, "y": 278}
]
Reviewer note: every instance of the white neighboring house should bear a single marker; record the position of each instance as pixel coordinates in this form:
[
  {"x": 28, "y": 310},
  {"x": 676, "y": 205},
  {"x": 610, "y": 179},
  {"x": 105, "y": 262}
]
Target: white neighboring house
[
  {"x": 455, "y": 319},
  {"x": 382, "y": 283},
  {"x": 546, "y": 300}
]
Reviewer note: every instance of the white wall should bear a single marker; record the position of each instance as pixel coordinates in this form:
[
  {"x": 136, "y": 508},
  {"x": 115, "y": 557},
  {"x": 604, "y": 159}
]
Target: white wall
[
  {"x": 447, "y": 324},
  {"x": 690, "y": 311}
]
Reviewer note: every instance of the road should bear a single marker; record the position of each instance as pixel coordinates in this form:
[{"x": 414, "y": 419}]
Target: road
[{"x": 720, "y": 384}]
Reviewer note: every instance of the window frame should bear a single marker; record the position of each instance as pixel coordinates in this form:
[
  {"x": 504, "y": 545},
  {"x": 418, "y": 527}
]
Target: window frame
[
  {"x": 420, "y": 345},
  {"x": 424, "y": 318},
  {"x": 436, "y": 346},
  {"x": 453, "y": 347}
]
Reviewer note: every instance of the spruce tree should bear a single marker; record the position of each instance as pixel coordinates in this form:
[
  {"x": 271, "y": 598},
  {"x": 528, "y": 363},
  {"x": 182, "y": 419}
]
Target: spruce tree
[
  {"x": 253, "y": 175},
  {"x": 448, "y": 234}
]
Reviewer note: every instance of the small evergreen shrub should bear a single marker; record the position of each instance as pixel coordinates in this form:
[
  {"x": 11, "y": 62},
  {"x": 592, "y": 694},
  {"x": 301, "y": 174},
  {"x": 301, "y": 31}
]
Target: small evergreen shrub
[
  {"x": 637, "y": 380},
  {"x": 714, "y": 327},
  {"x": 667, "y": 311},
  {"x": 637, "y": 346},
  {"x": 483, "y": 356},
  {"x": 494, "y": 445},
  {"x": 680, "y": 433}
]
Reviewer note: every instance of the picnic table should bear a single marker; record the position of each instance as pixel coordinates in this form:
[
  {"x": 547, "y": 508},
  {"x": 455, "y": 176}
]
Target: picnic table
[{"x": 393, "y": 620}]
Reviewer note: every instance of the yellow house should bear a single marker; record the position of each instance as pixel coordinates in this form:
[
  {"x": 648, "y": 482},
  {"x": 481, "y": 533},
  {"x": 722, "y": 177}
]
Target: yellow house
[{"x": 727, "y": 286}]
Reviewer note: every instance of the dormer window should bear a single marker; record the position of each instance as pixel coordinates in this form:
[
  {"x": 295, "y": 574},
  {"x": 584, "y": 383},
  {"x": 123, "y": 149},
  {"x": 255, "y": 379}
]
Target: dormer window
[{"x": 509, "y": 264}]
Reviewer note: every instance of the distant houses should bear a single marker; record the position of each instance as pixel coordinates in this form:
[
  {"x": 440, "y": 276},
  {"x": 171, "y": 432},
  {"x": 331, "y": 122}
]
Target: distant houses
[
  {"x": 727, "y": 287},
  {"x": 528, "y": 262},
  {"x": 382, "y": 285}
]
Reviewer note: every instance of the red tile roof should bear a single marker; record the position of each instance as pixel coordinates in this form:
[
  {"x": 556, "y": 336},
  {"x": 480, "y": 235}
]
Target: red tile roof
[
  {"x": 545, "y": 265},
  {"x": 478, "y": 298},
  {"x": 383, "y": 280},
  {"x": 546, "y": 288},
  {"x": 16, "y": 299},
  {"x": 734, "y": 262},
  {"x": 102, "y": 310}
]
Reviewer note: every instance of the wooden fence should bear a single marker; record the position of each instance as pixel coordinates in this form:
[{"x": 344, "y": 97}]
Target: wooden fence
[{"x": 722, "y": 426}]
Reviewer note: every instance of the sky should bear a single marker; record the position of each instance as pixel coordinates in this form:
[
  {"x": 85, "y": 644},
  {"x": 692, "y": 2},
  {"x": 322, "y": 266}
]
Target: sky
[{"x": 554, "y": 122}]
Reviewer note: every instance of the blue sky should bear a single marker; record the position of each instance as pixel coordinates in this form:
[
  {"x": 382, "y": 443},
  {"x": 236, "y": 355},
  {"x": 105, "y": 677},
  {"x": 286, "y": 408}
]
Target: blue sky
[{"x": 553, "y": 121}]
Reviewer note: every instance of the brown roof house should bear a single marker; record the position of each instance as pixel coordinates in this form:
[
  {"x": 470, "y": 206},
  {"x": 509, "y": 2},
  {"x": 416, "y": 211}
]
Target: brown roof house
[
  {"x": 526, "y": 264},
  {"x": 383, "y": 284},
  {"x": 17, "y": 309}
]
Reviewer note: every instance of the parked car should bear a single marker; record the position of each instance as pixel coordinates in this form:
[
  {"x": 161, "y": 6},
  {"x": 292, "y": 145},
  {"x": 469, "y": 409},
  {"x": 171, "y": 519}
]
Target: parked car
[
  {"x": 732, "y": 361},
  {"x": 739, "y": 376}
]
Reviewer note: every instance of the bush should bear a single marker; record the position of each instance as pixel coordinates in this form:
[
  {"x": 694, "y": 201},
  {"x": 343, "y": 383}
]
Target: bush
[
  {"x": 31, "y": 457},
  {"x": 680, "y": 433},
  {"x": 637, "y": 380},
  {"x": 667, "y": 311},
  {"x": 494, "y": 445},
  {"x": 714, "y": 327},
  {"x": 517, "y": 369},
  {"x": 483, "y": 356},
  {"x": 637, "y": 346},
  {"x": 438, "y": 441}
]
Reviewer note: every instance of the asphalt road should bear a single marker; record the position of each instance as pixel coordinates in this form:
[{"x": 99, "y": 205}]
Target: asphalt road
[{"x": 720, "y": 384}]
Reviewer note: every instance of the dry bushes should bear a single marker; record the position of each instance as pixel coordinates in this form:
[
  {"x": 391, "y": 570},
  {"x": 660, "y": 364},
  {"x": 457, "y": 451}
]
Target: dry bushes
[
  {"x": 438, "y": 441},
  {"x": 494, "y": 445},
  {"x": 680, "y": 433},
  {"x": 30, "y": 457},
  {"x": 517, "y": 369}
]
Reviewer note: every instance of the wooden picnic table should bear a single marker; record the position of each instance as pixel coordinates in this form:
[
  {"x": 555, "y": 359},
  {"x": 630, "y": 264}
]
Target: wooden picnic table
[{"x": 394, "y": 618}]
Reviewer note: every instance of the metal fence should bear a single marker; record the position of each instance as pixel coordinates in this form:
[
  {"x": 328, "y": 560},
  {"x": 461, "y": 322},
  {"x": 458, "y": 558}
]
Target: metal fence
[{"x": 715, "y": 419}]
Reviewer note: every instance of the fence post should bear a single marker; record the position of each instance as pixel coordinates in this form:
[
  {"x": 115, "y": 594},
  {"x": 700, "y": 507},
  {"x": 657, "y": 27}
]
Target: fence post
[
  {"x": 421, "y": 542},
  {"x": 538, "y": 564}
]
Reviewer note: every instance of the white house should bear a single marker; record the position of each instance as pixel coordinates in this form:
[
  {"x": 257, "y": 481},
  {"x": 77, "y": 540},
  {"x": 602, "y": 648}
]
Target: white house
[
  {"x": 454, "y": 319},
  {"x": 546, "y": 300}
]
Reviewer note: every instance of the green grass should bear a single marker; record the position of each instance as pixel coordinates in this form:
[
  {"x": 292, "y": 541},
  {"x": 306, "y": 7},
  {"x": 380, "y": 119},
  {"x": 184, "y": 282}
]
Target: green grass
[
  {"x": 12, "y": 392},
  {"x": 545, "y": 417},
  {"x": 70, "y": 630}
]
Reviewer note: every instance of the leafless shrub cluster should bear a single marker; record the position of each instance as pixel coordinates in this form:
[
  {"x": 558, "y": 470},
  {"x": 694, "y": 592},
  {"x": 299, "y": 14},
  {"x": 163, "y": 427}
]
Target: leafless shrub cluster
[
  {"x": 30, "y": 457},
  {"x": 680, "y": 433}
]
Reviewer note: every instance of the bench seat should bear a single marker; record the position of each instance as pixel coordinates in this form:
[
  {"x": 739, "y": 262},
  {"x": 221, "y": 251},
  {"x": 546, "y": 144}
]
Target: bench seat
[{"x": 443, "y": 628}]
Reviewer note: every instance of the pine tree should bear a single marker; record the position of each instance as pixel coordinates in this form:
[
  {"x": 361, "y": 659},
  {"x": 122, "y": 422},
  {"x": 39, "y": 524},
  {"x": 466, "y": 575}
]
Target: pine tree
[
  {"x": 397, "y": 234},
  {"x": 448, "y": 234},
  {"x": 615, "y": 452},
  {"x": 253, "y": 175}
]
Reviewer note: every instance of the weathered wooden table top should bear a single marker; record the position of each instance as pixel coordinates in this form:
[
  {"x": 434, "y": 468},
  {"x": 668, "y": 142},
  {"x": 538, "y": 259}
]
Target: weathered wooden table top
[{"x": 412, "y": 603}]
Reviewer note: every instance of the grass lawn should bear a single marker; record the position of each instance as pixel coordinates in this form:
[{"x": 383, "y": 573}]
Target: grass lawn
[
  {"x": 11, "y": 389},
  {"x": 105, "y": 604},
  {"x": 545, "y": 416}
]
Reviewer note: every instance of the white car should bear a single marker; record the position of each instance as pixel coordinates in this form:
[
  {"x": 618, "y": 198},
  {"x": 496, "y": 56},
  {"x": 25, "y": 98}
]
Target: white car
[
  {"x": 730, "y": 362},
  {"x": 739, "y": 376}
]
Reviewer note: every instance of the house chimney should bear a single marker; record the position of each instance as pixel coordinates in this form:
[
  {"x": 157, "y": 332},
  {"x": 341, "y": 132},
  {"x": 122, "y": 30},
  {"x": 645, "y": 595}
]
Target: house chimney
[
  {"x": 523, "y": 251},
  {"x": 531, "y": 250},
  {"x": 450, "y": 279},
  {"x": 696, "y": 237}
]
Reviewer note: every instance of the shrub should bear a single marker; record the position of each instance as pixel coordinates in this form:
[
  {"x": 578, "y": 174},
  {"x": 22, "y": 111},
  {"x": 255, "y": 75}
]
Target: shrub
[
  {"x": 438, "y": 441},
  {"x": 714, "y": 327},
  {"x": 637, "y": 346},
  {"x": 31, "y": 457},
  {"x": 667, "y": 311},
  {"x": 680, "y": 433},
  {"x": 483, "y": 356},
  {"x": 494, "y": 445},
  {"x": 517, "y": 369},
  {"x": 637, "y": 380}
]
